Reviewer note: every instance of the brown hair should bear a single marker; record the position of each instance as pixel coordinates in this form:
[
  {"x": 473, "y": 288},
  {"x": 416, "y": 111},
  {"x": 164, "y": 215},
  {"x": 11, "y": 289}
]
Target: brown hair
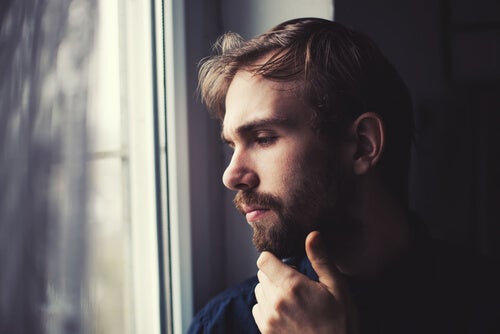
[{"x": 341, "y": 74}]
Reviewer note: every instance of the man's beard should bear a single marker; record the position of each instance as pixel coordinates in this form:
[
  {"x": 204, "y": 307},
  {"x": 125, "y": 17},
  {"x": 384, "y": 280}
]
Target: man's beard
[{"x": 312, "y": 207}]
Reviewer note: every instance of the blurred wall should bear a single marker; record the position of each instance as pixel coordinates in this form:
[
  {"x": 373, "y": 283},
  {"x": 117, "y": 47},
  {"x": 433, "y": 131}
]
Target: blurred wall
[{"x": 448, "y": 52}]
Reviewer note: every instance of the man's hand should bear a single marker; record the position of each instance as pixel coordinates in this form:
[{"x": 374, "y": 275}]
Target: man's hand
[{"x": 289, "y": 302}]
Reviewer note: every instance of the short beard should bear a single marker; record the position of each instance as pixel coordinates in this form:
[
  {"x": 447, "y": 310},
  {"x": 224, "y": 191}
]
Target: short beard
[
  {"x": 280, "y": 235},
  {"x": 285, "y": 234}
]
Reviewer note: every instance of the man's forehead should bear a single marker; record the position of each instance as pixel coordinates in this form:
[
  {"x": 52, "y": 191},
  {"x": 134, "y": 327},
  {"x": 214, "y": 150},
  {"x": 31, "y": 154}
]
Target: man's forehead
[
  {"x": 251, "y": 73},
  {"x": 252, "y": 90}
]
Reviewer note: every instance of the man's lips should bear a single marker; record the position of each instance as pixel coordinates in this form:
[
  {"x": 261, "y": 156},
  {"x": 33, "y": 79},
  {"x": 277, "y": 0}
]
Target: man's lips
[{"x": 252, "y": 214}]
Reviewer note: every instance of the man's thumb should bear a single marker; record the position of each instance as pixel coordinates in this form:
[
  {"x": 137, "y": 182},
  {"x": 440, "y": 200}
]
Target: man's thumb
[{"x": 318, "y": 256}]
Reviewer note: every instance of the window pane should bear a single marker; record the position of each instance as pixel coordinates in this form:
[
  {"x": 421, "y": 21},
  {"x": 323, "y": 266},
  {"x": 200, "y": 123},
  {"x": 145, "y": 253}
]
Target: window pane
[
  {"x": 78, "y": 208},
  {"x": 123, "y": 274}
]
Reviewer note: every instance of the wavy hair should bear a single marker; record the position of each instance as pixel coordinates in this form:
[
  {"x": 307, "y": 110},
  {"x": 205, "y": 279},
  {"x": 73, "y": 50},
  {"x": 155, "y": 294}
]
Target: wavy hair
[{"x": 340, "y": 74}]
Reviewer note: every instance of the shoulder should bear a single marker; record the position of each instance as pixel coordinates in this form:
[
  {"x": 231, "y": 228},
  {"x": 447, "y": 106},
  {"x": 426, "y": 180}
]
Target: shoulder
[{"x": 228, "y": 312}]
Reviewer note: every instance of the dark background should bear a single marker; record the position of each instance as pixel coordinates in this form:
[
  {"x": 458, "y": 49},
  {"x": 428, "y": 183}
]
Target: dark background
[{"x": 448, "y": 52}]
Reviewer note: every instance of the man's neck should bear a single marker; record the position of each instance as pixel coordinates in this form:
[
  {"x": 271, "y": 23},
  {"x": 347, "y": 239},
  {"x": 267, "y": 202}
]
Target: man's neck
[{"x": 381, "y": 237}]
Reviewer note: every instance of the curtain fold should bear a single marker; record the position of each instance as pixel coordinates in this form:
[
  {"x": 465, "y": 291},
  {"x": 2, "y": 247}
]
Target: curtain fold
[{"x": 45, "y": 47}]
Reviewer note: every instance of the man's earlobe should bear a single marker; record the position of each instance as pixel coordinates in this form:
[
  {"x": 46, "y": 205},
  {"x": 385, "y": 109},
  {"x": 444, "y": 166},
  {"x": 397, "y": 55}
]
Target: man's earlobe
[{"x": 369, "y": 133}]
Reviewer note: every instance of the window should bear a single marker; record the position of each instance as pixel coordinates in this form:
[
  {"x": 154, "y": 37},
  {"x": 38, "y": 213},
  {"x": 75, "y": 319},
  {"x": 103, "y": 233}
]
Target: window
[
  {"x": 125, "y": 203},
  {"x": 84, "y": 243},
  {"x": 138, "y": 276}
]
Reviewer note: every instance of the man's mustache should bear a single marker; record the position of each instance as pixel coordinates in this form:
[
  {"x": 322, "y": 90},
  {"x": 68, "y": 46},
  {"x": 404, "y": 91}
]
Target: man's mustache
[{"x": 264, "y": 200}]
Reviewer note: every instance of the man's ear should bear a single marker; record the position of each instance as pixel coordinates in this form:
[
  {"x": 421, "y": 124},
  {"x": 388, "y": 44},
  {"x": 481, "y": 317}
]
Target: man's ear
[{"x": 369, "y": 132}]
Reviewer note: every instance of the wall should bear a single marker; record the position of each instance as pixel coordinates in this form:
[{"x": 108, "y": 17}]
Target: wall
[{"x": 447, "y": 52}]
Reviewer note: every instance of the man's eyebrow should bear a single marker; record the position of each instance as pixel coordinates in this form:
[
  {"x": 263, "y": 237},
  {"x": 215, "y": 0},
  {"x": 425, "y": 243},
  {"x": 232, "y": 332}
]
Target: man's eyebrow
[{"x": 258, "y": 124}]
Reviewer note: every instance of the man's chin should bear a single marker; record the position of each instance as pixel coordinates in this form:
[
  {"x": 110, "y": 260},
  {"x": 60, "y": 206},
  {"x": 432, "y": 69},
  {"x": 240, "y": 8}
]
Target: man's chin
[
  {"x": 279, "y": 239},
  {"x": 281, "y": 250}
]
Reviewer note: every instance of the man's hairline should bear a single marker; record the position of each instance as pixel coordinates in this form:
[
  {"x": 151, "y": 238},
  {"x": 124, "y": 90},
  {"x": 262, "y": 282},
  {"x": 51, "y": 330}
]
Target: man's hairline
[{"x": 298, "y": 87}]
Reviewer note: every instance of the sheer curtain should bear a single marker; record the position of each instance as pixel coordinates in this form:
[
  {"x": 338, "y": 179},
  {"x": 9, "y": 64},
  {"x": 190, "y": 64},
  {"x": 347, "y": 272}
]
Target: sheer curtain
[
  {"x": 81, "y": 204},
  {"x": 43, "y": 97}
]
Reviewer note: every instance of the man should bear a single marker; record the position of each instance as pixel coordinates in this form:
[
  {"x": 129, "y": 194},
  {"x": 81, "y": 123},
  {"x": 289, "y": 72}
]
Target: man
[{"x": 320, "y": 125}]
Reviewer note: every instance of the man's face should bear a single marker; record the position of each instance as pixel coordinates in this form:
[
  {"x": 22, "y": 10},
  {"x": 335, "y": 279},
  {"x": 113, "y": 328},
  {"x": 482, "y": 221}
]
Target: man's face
[{"x": 285, "y": 175}]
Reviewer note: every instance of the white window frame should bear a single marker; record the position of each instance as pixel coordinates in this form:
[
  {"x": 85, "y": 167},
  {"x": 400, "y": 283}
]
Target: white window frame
[
  {"x": 155, "y": 95},
  {"x": 177, "y": 158},
  {"x": 156, "y": 63}
]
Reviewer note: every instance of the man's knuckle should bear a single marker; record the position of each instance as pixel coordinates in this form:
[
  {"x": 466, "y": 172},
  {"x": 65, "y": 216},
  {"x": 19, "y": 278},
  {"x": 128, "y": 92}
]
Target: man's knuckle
[
  {"x": 263, "y": 259},
  {"x": 293, "y": 286},
  {"x": 273, "y": 320},
  {"x": 280, "y": 305}
]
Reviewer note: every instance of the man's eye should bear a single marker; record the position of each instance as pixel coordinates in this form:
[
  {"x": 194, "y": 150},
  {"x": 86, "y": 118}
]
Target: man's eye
[{"x": 266, "y": 140}]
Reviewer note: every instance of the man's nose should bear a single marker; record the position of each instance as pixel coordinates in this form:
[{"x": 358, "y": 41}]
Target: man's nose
[{"x": 240, "y": 175}]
